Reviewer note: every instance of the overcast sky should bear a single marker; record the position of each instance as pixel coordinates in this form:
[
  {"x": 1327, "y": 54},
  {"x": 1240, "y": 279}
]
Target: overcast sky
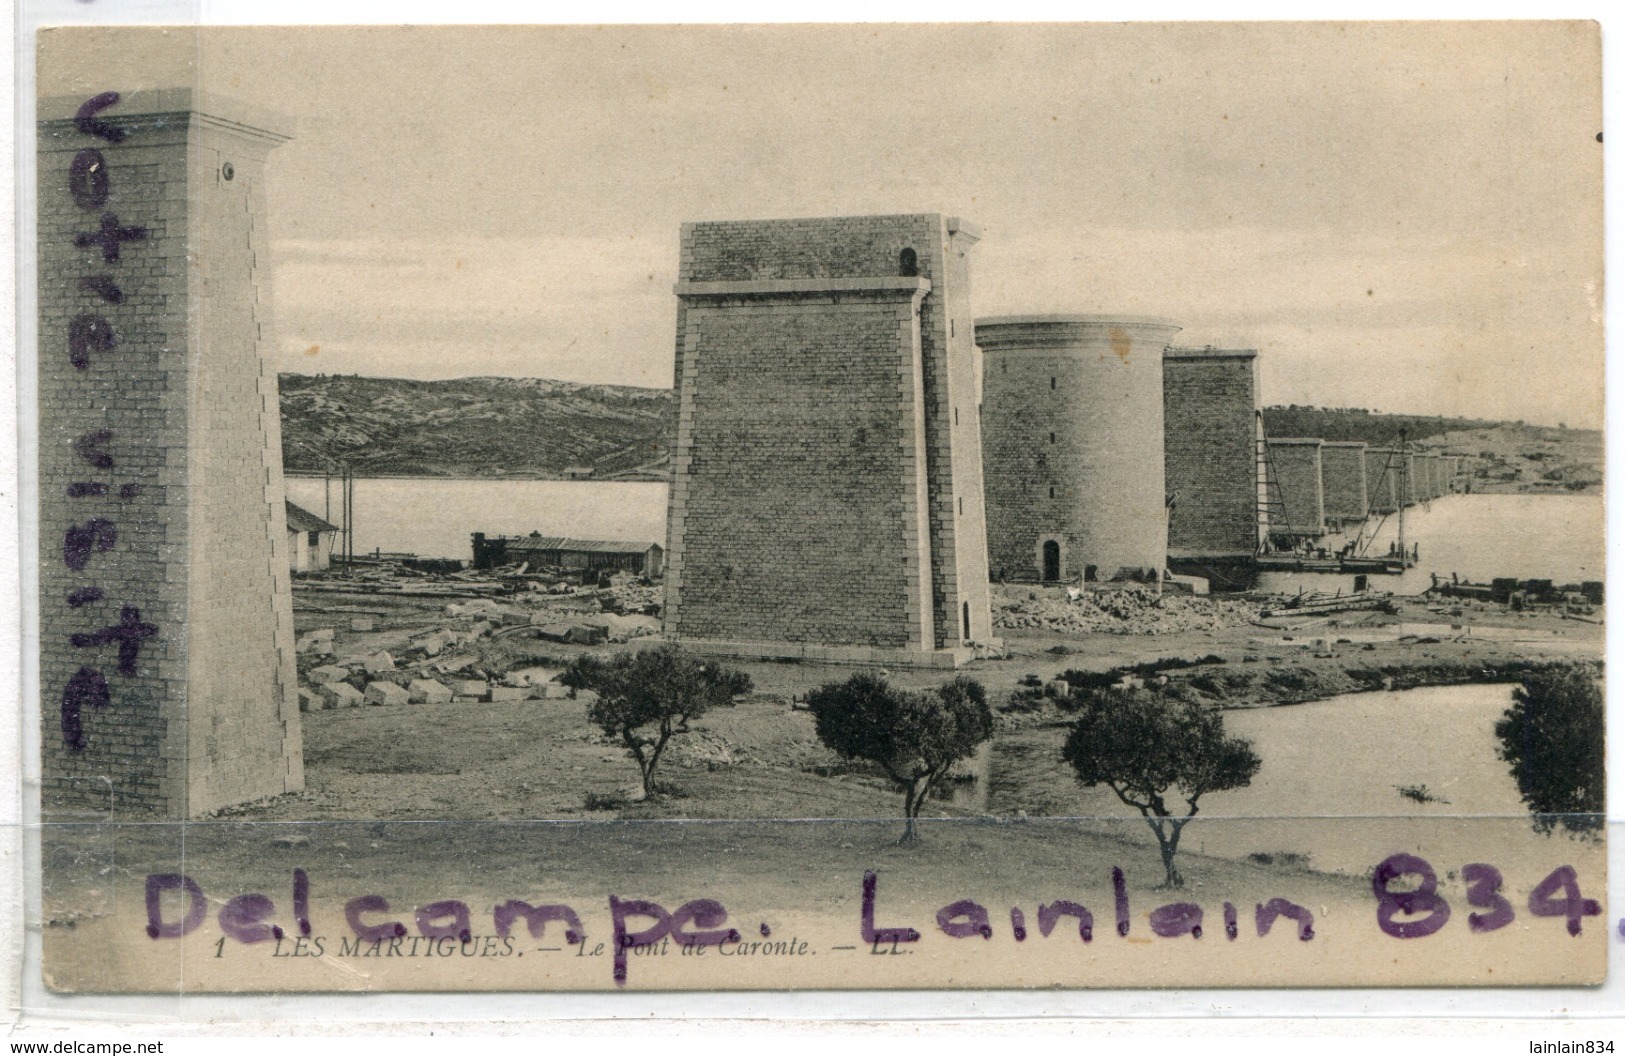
[{"x": 1407, "y": 218}]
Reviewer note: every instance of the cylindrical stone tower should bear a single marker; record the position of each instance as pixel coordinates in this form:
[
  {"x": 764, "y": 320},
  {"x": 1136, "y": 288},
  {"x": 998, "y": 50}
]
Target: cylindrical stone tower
[{"x": 1072, "y": 445}]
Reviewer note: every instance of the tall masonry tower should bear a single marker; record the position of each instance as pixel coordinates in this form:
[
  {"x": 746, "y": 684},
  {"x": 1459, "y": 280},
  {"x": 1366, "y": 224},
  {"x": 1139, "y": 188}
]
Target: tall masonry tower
[
  {"x": 826, "y": 497},
  {"x": 1073, "y": 445},
  {"x": 1212, "y": 441},
  {"x": 166, "y": 619}
]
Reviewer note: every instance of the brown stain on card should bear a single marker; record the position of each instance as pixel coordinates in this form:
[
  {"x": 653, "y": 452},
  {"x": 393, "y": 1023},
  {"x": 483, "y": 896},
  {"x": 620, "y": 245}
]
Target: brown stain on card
[{"x": 1122, "y": 344}]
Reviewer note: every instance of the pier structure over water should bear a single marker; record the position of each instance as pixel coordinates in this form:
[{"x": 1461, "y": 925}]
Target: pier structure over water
[
  {"x": 1343, "y": 478},
  {"x": 1297, "y": 505},
  {"x": 1213, "y": 472},
  {"x": 1382, "y": 472},
  {"x": 1435, "y": 475}
]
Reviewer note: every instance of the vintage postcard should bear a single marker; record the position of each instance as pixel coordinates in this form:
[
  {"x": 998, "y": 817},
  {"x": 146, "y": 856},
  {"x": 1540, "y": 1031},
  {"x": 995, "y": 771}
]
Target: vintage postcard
[{"x": 786, "y": 507}]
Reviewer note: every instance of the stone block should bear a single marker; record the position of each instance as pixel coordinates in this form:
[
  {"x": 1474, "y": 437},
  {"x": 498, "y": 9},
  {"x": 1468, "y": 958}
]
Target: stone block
[
  {"x": 430, "y": 646},
  {"x": 340, "y": 695},
  {"x": 587, "y": 634},
  {"x": 321, "y": 676},
  {"x": 309, "y": 700},
  {"x": 506, "y": 693},
  {"x": 378, "y": 663},
  {"x": 427, "y": 691},
  {"x": 386, "y": 694},
  {"x": 471, "y": 687},
  {"x": 362, "y": 623},
  {"x": 311, "y": 638}
]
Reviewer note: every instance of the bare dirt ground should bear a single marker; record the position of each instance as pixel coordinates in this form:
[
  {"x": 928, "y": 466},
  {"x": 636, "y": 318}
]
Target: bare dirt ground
[
  {"x": 541, "y": 758},
  {"x": 489, "y": 795}
]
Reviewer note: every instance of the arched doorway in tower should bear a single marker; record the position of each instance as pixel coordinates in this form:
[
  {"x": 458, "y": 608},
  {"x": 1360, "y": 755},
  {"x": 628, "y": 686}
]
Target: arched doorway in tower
[{"x": 1052, "y": 561}]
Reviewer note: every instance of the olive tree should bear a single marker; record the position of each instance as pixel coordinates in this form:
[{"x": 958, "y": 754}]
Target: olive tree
[
  {"x": 1153, "y": 751},
  {"x": 1552, "y": 737},
  {"x": 915, "y": 737},
  {"x": 646, "y": 698}
]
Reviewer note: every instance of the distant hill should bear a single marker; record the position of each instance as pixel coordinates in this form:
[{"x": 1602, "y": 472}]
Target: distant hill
[
  {"x": 540, "y": 429},
  {"x": 1506, "y": 456},
  {"x": 533, "y": 428},
  {"x": 1368, "y": 427}
]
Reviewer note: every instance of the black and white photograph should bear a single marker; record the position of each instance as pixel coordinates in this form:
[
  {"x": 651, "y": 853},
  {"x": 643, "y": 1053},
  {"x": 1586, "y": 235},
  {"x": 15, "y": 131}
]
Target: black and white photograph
[{"x": 817, "y": 507}]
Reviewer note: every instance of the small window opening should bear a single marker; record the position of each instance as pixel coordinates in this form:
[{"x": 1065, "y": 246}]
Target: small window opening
[
  {"x": 313, "y": 538},
  {"x": 1052, "y": 491},
  {"x": 961, "y": 505},
  {"x": 1052, "y": 438},
  {"x": 1052, "y": 383},
  {"x": 965, "y": 617},
  {"x": 908, "y": 263},
  {"x": 1090, "y": 573},
  {"x": 956, "y": 415}
]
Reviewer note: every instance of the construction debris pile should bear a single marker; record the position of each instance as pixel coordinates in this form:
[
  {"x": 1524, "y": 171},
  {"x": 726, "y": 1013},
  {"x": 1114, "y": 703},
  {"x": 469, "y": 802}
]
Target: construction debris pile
[
  {"x": 1128, "y": 609},
  {"x": 434, "y": 668},
  {"x": 406, "y": 638}
]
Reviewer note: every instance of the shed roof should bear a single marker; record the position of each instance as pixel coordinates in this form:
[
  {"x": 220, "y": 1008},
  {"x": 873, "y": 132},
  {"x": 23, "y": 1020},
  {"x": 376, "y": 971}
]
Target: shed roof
[
  {"x": 302, "y": 520},
  {"x": 596, "y": 546}
]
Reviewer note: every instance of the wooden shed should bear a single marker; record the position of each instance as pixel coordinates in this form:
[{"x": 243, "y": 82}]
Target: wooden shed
[
  {"x": 310, "y": 540},
  {"x": 553, "y": 551}
]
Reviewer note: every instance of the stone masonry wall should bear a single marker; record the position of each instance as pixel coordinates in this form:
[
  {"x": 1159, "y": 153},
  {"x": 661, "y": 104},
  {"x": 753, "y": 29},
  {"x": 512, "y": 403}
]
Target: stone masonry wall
[
  {"x": 1210, "y": 452},
  {"x": 1342, "y": 468},
  {"x": 954, "y": 421},
  {"x": 1298, "y": 502},
  {"x": 169, "y": 440},
  {"x": 1382, "y": 479},
  {"x": 241, "y": 582},
  {"x": 1072, "y": 424},
  {"x": 822, "y": 491},
  {"x": 787, "y": 534}
]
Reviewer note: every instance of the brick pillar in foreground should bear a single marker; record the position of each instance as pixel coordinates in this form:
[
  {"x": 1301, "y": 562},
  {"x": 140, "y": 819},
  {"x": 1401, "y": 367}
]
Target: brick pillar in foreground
[{"x": 162, "y": 534}]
